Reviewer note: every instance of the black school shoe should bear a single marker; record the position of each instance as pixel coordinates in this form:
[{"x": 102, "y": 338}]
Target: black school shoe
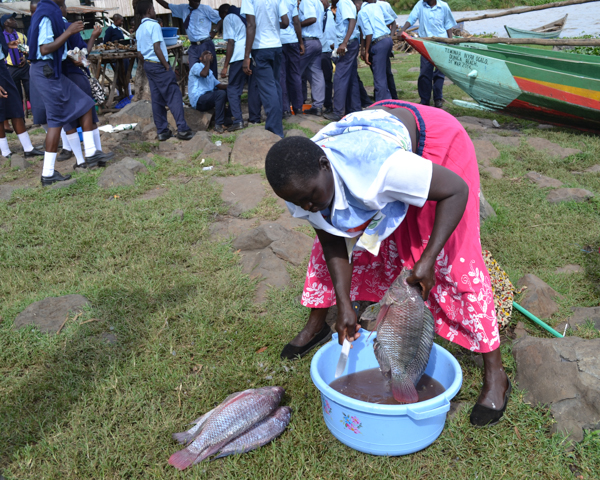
[
  {"x": 438, "y": 103},
  {"x": 64, "y": 155},
  {"x": 314, "y": 111},
  {"x": 34, "y": 153},
  {"x": 486, "y": 417},
  {"x": 187, "y": 135},
  {"x": 332, "y": 116},
  {"x": 292, "y": 352},
  {"x": 99, "y": 158},
  {"x": 164, "y": 136},
  {"x": 236, "y": 126},
  {"x": 56, "y": 177}
]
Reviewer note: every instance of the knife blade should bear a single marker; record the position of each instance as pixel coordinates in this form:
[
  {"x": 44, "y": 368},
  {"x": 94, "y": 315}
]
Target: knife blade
[{"x": 341, "y": 366}]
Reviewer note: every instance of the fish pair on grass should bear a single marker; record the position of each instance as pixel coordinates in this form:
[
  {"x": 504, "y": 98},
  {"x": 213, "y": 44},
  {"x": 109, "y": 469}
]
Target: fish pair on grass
[
  {"x": 405, "y": 331},
  {"x": 244, "y": 421}
]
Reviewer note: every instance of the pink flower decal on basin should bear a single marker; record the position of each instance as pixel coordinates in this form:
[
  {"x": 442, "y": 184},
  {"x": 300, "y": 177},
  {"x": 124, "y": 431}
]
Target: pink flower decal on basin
[
  {"x": 326, "y": 407},
  {"x": 351, "y": 423}
]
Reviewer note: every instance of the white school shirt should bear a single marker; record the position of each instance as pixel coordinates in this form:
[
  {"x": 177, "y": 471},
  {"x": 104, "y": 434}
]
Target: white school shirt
[
  {"x": 46, "y": 36},
  {"x": 345, "y": 11},
  {"x": 329, "y": 38},
  {"x": 148, "y": 33},
  {"x": 267, "y": 14},
  {"x": 371, "y": 21},
  {"x": 201, "y": 21},
  {"x": 288, "y": 35},
  {"x": 312, "y": 9},
  {"x": 234, "y": 29}
]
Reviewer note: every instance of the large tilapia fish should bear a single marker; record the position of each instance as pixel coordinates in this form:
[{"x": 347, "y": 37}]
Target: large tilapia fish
[
  {"x": 234, "y": 416},
  {"x": 405, "y": 331}
]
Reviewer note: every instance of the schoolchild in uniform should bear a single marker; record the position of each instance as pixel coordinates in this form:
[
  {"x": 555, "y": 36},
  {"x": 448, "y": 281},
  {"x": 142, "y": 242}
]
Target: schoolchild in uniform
[
  {"x": 234, "y": 31},
  {"x": 198, "y": 23},
  {"x": 312, "y": 13},
  {"x": 161, "y": 78},
  {"x": 292, "y": 49},
  {"x": 11, "y": 107},
  {"x": 376, "y": 45},
  {"x": 16, "y": 61},
  {"x": 206, "y": 92},
  {"x": 328, "y": 42},
  {"x": 346, "y": 96},
  {"x": 113, "y": 32},
  {"x": 38, "y": 110},
  {"x": 390, "y": 20},
  {"x": 76, "y": 73},
  {"x": 264, "y": 19},
  {"x": 63, "y": 100}
]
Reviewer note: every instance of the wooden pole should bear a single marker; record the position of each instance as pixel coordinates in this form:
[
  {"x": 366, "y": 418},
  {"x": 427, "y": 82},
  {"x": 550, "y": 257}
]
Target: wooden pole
[
  {"x": 572, "y": 42},
  {"x": 515, "y": 11}
]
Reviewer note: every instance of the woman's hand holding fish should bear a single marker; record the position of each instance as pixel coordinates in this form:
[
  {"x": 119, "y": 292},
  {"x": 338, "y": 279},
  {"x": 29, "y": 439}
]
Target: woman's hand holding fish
[{"x": 424, "y": 276}]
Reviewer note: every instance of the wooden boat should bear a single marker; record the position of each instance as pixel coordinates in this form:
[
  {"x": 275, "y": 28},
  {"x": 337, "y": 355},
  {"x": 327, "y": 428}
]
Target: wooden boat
[
  {"x": 543, "y": 85},
  {"x": 551, "y": 30}
]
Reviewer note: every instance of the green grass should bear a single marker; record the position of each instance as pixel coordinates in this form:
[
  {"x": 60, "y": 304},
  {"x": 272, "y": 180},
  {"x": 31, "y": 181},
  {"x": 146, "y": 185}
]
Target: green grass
[{"x": 75, "y": 407}]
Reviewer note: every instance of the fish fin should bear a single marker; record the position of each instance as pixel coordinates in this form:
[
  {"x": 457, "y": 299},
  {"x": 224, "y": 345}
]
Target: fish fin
[
  {"x": 382, "y": 313},
  {"x": 189, "y": 435},
  {"x": 183, "y": 459},
  {"x": 370, "y": 312},
  {"x": 211, "y": 450},
  {"x": 182, "y": 437},
  {"x": 404, "y": 390}
]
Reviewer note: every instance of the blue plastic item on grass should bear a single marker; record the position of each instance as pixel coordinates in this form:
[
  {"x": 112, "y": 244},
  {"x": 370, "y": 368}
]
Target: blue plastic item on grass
[
  {"x": 383, "y": 429},
  {"x": 80, "y": 132},
  {"x": 169, "y": 32}
]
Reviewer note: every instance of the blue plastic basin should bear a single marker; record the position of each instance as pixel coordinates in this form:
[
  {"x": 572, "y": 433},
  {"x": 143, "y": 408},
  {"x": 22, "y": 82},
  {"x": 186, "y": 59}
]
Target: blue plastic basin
[
  {"x": 169, "y": 32},
  {"x": 171, "y": 41},
  {"x": 383, "y": 429}
]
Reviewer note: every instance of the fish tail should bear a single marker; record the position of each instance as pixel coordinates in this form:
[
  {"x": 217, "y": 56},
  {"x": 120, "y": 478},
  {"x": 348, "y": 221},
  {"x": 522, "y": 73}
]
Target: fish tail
[
  {"x": 183, "y": 459},
  {"x": 183, "y": 437},
  {"x": 404, "y": 390}
]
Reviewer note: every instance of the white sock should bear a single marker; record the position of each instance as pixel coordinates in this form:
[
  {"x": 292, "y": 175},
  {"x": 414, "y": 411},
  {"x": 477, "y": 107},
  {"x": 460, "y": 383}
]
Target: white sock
[
  {"x": 97, "y": 141},
  {"x": 25, "y": 141},
  {"x": 89, "y": 144},
  {"x": 75, "y": 147},
  {"x": 65, "y": 139},
  {"x": 4, "y": 147},
  {"x": 48, "y": 168},
  {"x": 45, "y": 127}
]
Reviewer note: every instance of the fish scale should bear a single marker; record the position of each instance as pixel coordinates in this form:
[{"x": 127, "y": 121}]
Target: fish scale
[
  {"x": 232, "y": 418},
  {"x": 405, "y": 331}
]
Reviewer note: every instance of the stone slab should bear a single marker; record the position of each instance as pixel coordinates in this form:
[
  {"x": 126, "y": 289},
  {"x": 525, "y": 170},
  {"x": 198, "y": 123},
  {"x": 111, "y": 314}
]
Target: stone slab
[
  {"x": 569, "y": 195},
  {"x": 50, "y": 313},
  {"x": 494, "y": 172},
  {"x": 241, "y": 193},
  {"x": 543, "y": 181},
  {"x": 551, "y": 148},
  {"x": 251, "y": 147},
  {"x": 539, "y": 297},
  {"x": 485, "y": 151}
]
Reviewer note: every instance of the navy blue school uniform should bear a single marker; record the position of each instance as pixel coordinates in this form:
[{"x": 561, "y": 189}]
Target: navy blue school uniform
[
  {"x": 76, "y": 74},
  {"x": 11, "y": 106},
  {"x": 63, "y": 100},
  {"x": 163, "y": 83},
  {"x": 38, "y": 111},
  {"x": 114, "y": 34}
]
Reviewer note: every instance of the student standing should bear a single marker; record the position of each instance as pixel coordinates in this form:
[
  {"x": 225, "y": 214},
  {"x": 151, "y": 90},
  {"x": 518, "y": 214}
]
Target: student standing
[
  {"x": 346, "y": 96},
  {"x": 328, "y": 42},
  {"x": 161, "y": 78},
  {"x": 390, "y": 20},
  {"x": 234, "y": 31},
  {"x": 292, "y": 48},
  {"x": 435, "y": 20},
  {"x": 206, "y": 92},
  {"x": 63, "y": 100},
  {"x": 198, "y": 23},
  {"x": 311, "y": 19},
  {"x": 376, "y": 45},
  {"x": 15, "y": 60},
  {"x": 264, "y": 19}
]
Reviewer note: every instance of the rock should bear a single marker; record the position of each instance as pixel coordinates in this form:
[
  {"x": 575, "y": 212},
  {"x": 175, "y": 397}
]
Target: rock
[
  {"x": 542, "y": 180},
  {"x": 65, "y": 184},
  {"x": 544, "y": 126},
  {"x": 177, "y": 214},
  {"x": 569, "y": 195},
  {"x": 485, "y": 209},
  {"x": 475, "y": 124},
  {"x": 19, "y": 162},
  {"x": 135, "y": 112},
  {"x": 49, "y": 314},
  {"x": 241, "y": 193},
  {"x": 219, "y": 155},
  {"x": 197, "y": 121},
  {"x": 6, "y": 191},
  {"x": 539, "y": 296},
  {"x": 581, "y": 315},
  {"x": 116, "y": 175},
  {"x": 485, "y": 151},
  {"x": 260, "y": 237},
  {"x": 552, "y": 149},
  {"x": 514, "y": 141},
  {"x": 294, "y": 247},
  {"x": 148, "y": 128},
  {"x": 251, "y": 147},
  {"x": 305, "y": 121},
  {"x": 226, "y": 227},
  {"x": 107, "y": 337},
  {"x": 493, "y": 172},
  {"x": 593, "y": 169},
  {"x": 564, "y": 374},
  {"x": 149, "y": 162},
  {"x": 569, "y": 269},
  {"x": 295, "y": 133},
  {"x": 520, "y": 331},
  {"x": 149, "y": 132},
  {"x": 456, "y": 407},
  {"x": 265, "y": 264},
  {"x": 133, "y": 165},
  {"x": 152, "y": 194},
  {"x": 414, "y": 70},
  {"x": 199, "y": 141}
]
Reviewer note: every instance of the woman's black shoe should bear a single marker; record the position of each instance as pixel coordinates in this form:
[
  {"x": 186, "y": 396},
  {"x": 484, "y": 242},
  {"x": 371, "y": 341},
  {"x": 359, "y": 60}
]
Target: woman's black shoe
[
  {"x": 484, "y": 416},
  {"x": 292, "y": 352}
]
